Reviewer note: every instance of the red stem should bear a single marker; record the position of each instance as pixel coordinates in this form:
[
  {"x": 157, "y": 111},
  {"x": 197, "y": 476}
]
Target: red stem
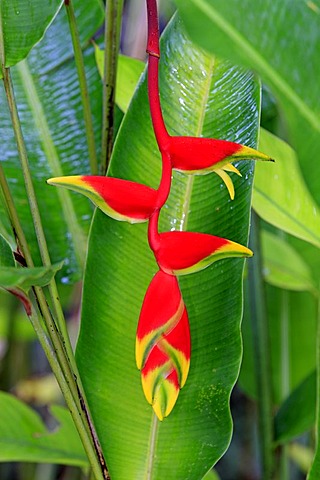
[
  {"x": 153, "y": 50},
  {"x": 153, "y": 234},
  {"x": 165, "y": 182},
  {"x": 153, "y": 28}
]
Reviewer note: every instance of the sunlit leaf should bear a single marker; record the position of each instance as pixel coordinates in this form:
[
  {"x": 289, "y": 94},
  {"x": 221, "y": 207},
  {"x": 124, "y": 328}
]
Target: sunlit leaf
[
  {"x": 129, "y": 71},
  {"x": 283, "y": 267},
  {"x": 280, "y": 195}
]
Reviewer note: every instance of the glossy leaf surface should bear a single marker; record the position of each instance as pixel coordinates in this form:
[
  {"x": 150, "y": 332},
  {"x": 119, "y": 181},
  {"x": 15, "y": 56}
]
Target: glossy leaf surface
[
  {"x": 200, "y": 96},
  {"x": 280, "y": 195},
  {"x": 24, "y": 437},
  {"x": 265, "y": 35},
  {"x": 23, "y": 25},
  {"x": 44, "y": 84}
]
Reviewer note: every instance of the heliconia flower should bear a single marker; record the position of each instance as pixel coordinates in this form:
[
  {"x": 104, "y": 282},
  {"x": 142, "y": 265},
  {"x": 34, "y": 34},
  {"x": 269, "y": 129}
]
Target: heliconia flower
[
  {"x": 180, "y": 253},
  {"x": 204, "y": 155},
  {"x": 120, "y": 199},
  {"x": 163, "y": 343}
]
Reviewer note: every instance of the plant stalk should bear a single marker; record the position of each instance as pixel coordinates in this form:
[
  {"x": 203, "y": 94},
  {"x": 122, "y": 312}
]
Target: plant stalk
[
  {"x": 57, "y": 356},
  {"x": 83, "y": 86},
  {"x": 260, "y": 331},
  {"x": 314, "y": 473},
  {"x": 73, "y": 394},
  {"x": 113, "y": 14}
]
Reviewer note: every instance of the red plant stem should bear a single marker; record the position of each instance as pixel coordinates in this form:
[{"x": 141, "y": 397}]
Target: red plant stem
[
  {"x": 153, "y": 28},
  {"x": 153, "y": 234},
  {"x": 160, "y": 131},
  {"x": 153, "y": 50},
  {"x": 165, "y": 182}
]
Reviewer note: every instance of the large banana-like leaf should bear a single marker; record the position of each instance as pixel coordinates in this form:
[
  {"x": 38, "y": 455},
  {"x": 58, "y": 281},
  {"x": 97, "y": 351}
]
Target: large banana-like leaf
[
  {"x": 47, "y": 93},
  {"x": 23, "y": 25},
  {"x": 279, "y": 39},
  {"x": 200, "y": 95}
]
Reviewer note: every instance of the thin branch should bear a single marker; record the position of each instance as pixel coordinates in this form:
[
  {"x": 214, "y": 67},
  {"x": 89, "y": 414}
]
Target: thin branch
[
  {"x": 113, "y": 13},
  {"x": 83, "y": 86},
  {"x": 68, "y": 377}
]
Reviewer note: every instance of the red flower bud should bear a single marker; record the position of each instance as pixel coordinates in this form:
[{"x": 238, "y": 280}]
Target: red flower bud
[{"x": 163, "y": 343}]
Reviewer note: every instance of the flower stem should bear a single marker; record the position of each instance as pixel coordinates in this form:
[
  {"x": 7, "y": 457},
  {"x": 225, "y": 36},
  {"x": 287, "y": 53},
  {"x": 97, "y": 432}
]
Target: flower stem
[
  {"x": 262, "y": 351},
  {"x": 83, "y": 86},
  {"x": 153, "y": 50},
  {"x": 113, "y": 13},
  {"x": 64, "y": 355}
]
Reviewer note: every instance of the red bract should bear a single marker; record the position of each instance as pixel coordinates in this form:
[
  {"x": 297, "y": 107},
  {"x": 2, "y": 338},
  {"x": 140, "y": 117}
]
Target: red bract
[
  {"x": 120, "y": 199},
  {"x": 180, "y": 253},
  {"x": 204, "y": 155},
  {"x": 163, "y": 343}
]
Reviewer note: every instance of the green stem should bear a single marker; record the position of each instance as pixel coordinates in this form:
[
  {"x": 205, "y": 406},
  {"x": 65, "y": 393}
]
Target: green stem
[
  {"x": 74, "y": 396},
  {"x": 113, "y": 13},
  {"x": 67, "y": 377},
  {"x": 262, "y": 351},
  {"x": 314, "y": 473},
  {"x": 83, "y": 86},
  {"x": 285, "y": 374}
]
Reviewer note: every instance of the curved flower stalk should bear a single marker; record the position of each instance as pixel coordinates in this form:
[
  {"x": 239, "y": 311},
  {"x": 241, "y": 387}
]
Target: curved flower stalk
[
  {"x": 120, "y": 199},
  {"x": 163, "y": 343}
]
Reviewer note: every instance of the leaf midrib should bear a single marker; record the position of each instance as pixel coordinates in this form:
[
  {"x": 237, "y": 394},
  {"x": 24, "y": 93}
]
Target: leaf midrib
[
  {"x": 262, "y": 65},
  {"x": 190, "y": 181}
]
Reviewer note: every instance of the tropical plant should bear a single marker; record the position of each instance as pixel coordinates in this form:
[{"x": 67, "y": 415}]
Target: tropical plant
[{"x": 166, "y": 142}]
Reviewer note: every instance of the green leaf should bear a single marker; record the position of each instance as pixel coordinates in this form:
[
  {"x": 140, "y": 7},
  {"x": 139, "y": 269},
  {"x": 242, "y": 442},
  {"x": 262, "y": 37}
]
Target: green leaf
[
  {"x": 297, "y": 413},
  {"x": 270, "y": 36},
  {"x": 283, "y": 267},
  {"x": 280, "y": 195},
  {"x": 129, "y": 71},
  {"x": 298, "y": 336},
  {"x": 47, "y": 93},
  {"x": 200, "y": 95},
  {"x": 24, "y": 437},
  {"x": 25, "y": 278},
  {"x": 211, "y": 475},
  {"x": 23, "y": 25},
  {"x": 6, "y": 255}
]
